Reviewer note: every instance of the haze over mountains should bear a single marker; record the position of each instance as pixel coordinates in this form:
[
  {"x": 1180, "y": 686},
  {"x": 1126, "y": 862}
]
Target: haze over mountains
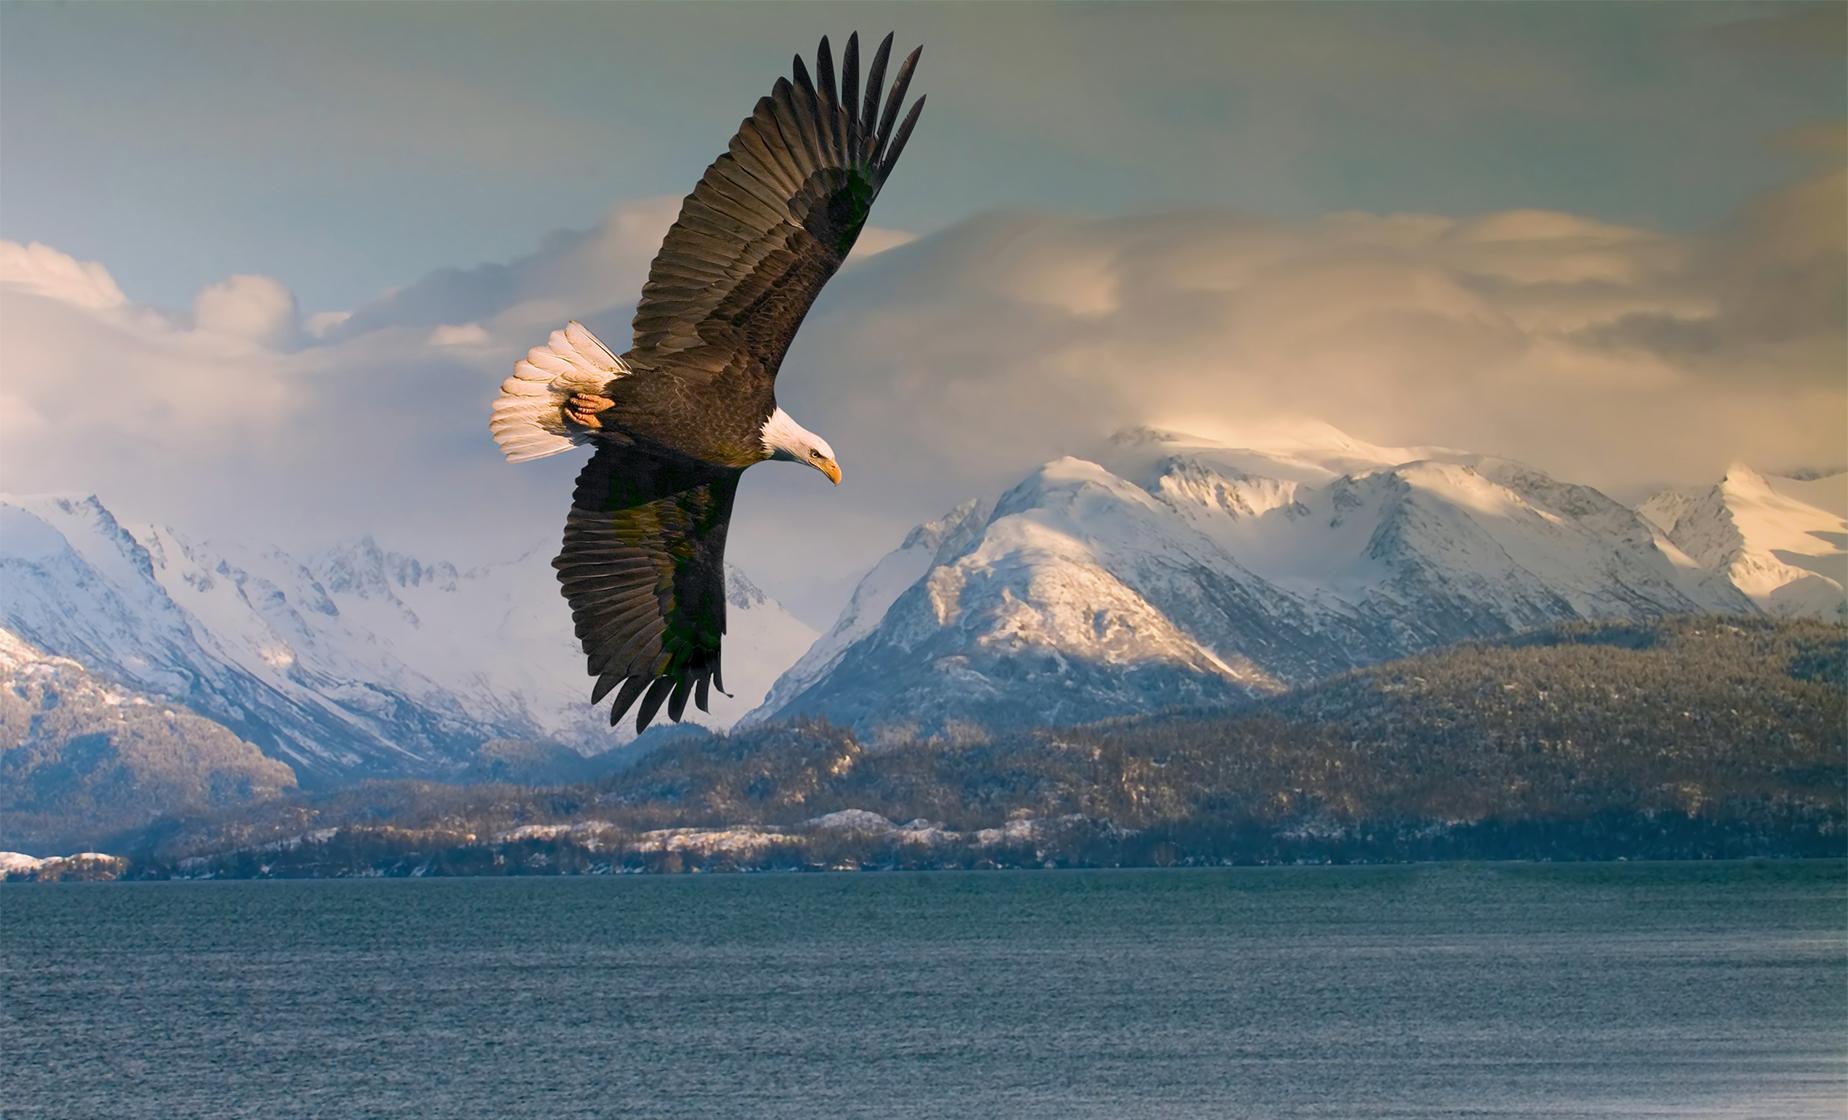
[{"x": 1162, "y": 570}]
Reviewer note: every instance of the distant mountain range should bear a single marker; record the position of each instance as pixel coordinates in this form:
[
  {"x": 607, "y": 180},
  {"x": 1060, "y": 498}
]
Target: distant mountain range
[
  {"x": 356, "y": 661},
  {"x": 1173, "y": 570},
  {"x": 1161, "y": 571}
]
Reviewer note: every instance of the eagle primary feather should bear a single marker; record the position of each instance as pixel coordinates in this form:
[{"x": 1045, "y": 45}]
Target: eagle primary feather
[{"x": 692, "y": 404}]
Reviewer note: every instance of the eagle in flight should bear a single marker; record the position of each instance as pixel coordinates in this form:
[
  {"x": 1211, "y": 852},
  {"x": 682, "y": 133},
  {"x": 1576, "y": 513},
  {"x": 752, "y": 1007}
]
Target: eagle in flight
[{"x": 677, "y": 419}]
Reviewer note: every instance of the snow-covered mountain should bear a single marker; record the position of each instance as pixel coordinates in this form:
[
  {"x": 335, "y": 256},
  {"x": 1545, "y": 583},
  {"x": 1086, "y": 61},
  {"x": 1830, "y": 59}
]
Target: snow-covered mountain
[
  {"x": 922, "y": 548},
  {"x": 1781, "y": 541},
  {"x": 81, "y": 758},
  {"x": 354, "y": 660},
  {"x": 1170, "y": 569},
  {"x": 1160, "y": 570}
]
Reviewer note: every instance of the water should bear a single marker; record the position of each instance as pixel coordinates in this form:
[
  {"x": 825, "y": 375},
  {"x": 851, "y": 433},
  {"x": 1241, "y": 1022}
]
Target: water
[{"x": 1442, "y": 991}]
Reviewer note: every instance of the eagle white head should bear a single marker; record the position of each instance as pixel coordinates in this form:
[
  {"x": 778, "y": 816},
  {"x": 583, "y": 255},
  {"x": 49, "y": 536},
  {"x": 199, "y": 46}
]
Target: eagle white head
[{"x": 787, "y": 440}]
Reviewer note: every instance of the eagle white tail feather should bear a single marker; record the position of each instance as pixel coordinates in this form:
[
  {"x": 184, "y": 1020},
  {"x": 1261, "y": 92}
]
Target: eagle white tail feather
[{"x": 528, "y": 419}]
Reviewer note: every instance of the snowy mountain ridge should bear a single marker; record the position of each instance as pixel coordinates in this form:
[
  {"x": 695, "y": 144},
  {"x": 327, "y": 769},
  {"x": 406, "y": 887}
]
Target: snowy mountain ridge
[
  {"x": 1175, "y": 569},
  {"x": 1162, "y": 569},
  {"x": 1781, "y": 541},
  {"x": 357, "y": 659}
]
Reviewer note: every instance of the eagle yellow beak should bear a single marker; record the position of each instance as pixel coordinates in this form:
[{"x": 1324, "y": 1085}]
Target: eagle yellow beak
[{"x": 832, "y": 469}]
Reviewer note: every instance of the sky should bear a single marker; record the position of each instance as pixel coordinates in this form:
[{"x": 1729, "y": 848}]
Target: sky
[{"x": 262, "y": 265}]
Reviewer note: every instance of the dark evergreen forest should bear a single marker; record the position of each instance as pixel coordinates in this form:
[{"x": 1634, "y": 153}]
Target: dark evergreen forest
[{"x": 1689, "y": 738}]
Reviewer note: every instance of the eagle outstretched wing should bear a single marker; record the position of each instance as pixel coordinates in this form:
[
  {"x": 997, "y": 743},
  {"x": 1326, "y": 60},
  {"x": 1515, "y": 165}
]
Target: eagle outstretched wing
[
  {"x": 644, "y": 570},
  {"x": 773, "y": 218}
]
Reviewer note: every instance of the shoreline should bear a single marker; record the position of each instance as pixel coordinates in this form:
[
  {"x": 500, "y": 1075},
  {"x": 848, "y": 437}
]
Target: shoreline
[{"x": 1839, "y": 862}]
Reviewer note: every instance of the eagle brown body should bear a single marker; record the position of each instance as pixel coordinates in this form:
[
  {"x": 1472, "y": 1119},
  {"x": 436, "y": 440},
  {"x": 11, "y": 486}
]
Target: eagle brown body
[{"x": 678, "y": 418}]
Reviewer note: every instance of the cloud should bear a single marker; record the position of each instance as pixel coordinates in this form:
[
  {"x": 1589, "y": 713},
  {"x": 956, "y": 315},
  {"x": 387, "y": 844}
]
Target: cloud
[
  {"x": 44, "y": 271},
  {"x": 877, "y": 239},
  {"x": 460, "y": 334},
  {"x": 570, "y": 275},
  {"x": 946, "y": 366},
  {"x": 256, "y": 308},
  {"x": 1782, "y": 266},
  {"x": 103, "y": 394},
  {"x": 1795, "y": 29},
  {"x": 1546, "y": 336},
  {"x": 592, "y": 275},
  {"x": 322, "y": 323}
]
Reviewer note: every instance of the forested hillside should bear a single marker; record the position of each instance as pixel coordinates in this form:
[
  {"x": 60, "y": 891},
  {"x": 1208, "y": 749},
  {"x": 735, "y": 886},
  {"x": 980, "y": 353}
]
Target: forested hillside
[{"x": 1688, "y": 738}]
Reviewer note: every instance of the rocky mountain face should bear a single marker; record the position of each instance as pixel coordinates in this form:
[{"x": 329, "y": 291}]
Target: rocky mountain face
[
  {"x": 352, "y": 662},
  {"x": 1171, "y": 570},
  {"x": 81, "y": 758},
  {"x": 1781, "y": 541}
]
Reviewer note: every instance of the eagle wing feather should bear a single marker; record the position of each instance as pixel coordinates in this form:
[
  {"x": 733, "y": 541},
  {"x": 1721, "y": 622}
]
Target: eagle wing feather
[
  {"x": 772, "y": 219},
  {"x": 643, "y": 567}
]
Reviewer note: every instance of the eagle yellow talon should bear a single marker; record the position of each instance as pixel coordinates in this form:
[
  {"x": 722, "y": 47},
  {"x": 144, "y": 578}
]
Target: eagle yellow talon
[{"x": 583, "y": 409}]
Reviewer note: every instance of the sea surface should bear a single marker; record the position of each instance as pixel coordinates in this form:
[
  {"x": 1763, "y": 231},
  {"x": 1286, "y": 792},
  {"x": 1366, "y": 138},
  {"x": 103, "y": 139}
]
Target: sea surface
[{"x": 1627, "y": 990}]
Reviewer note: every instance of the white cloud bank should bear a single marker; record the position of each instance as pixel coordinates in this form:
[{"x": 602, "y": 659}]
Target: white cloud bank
[
  {"x": 99, "y": 393},
  {"x": 949, "y": 365},
  {"x": 1612, "y": 355}
]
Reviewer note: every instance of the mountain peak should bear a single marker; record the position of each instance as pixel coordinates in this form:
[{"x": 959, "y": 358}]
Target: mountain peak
[
  {"x": 1781, "y": 541},
  {"x": 364, "y": 567},
  {"x": 1275, "y": 433},
  {"x": 740, "y": 592},
  {"x": 1143, "y": 436},
  {"x": 67, "y": 501},
  {"x": 48, "y": 524},
  {"x": 933, "y": 535},
  {"x": 53, "y": 508},
  {"x": 1741, "y": 475},
  {"x": 1064, "y": 480},
  {"x": 1284, "y": 449},
  {"x": 1269, "y": 433}
]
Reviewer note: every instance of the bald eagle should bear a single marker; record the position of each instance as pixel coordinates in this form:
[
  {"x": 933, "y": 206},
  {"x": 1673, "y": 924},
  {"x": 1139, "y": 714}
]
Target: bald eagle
[{"x": 676, "y": 420}]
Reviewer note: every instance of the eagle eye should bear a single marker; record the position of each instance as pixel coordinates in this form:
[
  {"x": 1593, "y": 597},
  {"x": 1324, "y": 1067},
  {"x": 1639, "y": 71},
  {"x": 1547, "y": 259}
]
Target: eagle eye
[{"x": 814, "y": 453}]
